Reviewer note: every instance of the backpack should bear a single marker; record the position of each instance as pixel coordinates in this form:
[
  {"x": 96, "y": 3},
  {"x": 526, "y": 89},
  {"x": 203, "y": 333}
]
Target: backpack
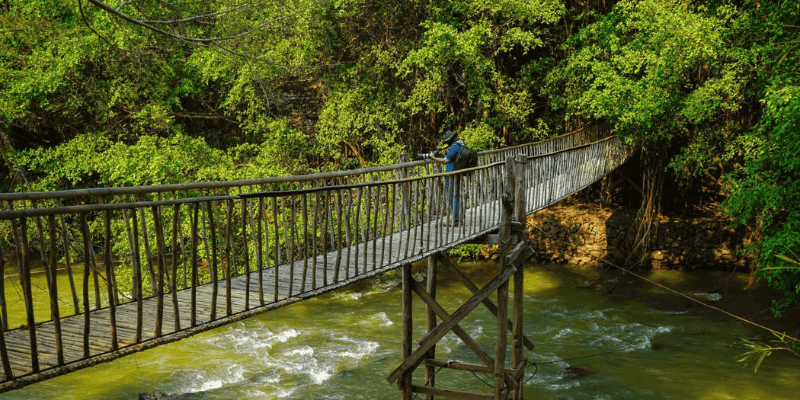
[{"x": 466, "y": 158}]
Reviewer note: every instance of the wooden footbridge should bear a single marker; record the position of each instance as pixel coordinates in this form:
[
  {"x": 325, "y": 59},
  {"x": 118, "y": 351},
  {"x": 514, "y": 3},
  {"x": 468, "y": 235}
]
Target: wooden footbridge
[{"x": 146, "y": 266}]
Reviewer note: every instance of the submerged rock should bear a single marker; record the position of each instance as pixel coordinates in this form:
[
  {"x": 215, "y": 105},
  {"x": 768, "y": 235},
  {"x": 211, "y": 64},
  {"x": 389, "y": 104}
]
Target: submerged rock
[
  {"x": 157, "y": 395},
  {"x": 663, "y": 346},
  {"x": 575, "y": 372}
]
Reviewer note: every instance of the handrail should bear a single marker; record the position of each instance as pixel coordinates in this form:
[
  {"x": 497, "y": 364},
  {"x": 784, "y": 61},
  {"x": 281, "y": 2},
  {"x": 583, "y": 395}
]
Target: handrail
[{"x": 131, "y": 190}]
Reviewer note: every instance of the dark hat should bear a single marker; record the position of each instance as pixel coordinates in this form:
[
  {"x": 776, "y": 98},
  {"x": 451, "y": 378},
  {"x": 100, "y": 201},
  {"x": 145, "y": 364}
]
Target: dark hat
[{"x": 449, "y": 137}]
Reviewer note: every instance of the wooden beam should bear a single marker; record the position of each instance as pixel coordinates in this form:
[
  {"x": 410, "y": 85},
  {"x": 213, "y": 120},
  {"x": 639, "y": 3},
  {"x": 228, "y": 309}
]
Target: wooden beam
[
  {"x": 458, "y": 330},
  {"x": 492, "y": 238},
  {"x": 452, "y": 394},
  {"x": 473, "y": 288},
  {"x": 411, "y": 362},
  {"x": 519, "y": 255},
  {"x": 462, "y": 366}
]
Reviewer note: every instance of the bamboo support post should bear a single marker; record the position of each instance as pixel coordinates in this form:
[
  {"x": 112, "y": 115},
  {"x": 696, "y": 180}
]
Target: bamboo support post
[
  {"x": 87, "y": 254},
  {"x": 246, "y": 255},
  {"x": 173, "y": 283},
  {"x": 3, "y": 307},
  {"x": 228, "y": 250},
  {"x": 213, "y": 262},
  {"x": 160, "y": 248},
  {"x": 430, "y": 371},
  {"x": 408, "y": 330},
  {"x": 112, "y": 308},
  {"x": 195, "y": 278}
]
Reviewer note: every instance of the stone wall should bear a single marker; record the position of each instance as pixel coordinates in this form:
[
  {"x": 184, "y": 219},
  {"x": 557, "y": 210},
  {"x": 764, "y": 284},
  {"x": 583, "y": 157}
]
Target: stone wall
[{"x": 583, "y": 233}]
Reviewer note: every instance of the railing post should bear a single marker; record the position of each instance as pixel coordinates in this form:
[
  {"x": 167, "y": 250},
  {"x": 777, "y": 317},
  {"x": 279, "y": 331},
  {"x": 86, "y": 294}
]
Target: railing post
[
  {"x": 405, "y": 203},
  {"x": 500, "y": 388}
]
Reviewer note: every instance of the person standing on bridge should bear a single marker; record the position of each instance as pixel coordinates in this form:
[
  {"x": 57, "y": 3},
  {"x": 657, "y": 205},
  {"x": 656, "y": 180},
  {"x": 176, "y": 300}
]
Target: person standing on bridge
[{"x": 454, "y": 144}]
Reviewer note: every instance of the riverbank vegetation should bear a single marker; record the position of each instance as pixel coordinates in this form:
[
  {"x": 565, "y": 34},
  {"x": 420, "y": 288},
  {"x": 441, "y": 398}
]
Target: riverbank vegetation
[{"x": 118, "y": 93}]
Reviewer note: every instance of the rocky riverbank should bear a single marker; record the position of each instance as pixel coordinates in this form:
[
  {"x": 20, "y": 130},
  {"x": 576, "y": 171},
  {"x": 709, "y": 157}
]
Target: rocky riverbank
[{"x": 583, "y": 233}]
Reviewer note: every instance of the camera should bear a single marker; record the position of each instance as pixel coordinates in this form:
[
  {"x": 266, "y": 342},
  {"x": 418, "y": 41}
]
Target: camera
[{"x": 429, "y": 155}]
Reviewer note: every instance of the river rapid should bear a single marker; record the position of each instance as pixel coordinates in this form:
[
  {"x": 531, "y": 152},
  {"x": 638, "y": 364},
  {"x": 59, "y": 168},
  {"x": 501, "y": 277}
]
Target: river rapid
[{"x": 342, "y": 345}]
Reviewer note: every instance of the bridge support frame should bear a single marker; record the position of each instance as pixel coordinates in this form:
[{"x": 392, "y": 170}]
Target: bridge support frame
[{"x": 514, "y": 251}]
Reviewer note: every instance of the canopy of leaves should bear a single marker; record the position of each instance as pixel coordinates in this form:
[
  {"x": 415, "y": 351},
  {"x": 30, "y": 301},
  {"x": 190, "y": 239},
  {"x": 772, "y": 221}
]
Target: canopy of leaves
[{"x": 119, "y": 93}]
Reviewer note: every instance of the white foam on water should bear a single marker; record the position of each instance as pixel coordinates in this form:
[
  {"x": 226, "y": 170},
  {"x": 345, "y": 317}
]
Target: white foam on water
[
  {"x": 362, "y": 349},
  {"x": 562, "y": 333},
  {"x": 386, "y": 321},
  {"x": 561, "y": 386},
  {"x": 380, "y": 319},
  {"x": 199, "y": 382},
  {"x": 476, "y": 332},
  {"x": 305, "y": 351}
]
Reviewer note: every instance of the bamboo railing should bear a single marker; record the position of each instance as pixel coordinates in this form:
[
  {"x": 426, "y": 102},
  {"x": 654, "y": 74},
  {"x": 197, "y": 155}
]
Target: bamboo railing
[{"x": 157, "y": 264}]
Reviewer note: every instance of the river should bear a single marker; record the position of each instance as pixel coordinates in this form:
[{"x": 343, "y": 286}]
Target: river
[{"x": 343, "y": 345}]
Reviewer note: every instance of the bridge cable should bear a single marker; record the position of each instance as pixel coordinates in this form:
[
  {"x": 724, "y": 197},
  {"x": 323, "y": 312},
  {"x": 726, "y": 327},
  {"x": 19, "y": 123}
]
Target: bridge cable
[{"x": 773, "y": 331}]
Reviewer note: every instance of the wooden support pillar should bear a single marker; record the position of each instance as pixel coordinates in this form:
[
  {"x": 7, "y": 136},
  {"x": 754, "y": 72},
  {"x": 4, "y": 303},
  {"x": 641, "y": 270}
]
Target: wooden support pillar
[
  {"x": 520, "y": 213},
  {"x": 500, "y": 387},
  {"x": 405, "y": 380},
  {"x": 430, "y": 370},
  {"x": 514, "y": 251}
]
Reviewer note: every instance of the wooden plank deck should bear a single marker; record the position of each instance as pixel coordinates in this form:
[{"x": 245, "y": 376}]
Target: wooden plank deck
[{"x": 357, "y": 262}]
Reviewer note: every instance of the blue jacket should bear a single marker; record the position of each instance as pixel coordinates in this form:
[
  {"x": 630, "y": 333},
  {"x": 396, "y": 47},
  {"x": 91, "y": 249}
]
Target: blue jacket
[{"x": 452, "y": 153}]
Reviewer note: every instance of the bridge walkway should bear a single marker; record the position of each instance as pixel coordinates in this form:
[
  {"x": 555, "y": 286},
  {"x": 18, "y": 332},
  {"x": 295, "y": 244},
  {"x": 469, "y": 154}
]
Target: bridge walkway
[{"x": 250, "y": 252}]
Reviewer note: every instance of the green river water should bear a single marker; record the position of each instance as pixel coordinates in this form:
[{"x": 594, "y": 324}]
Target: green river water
[{"x": 343, "y": 345}]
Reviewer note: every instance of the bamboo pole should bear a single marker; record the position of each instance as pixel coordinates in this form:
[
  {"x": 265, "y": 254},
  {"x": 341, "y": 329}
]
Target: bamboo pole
[
  {"x": 26, "y": 275},
  {"x": 329, "y": 222},
  {"x": 304, "y": 205},
  {"x": 430, "y": 371},
  {"x": 195, "y": 278},
  {"x": 7, "y": 372},
  {"x": 136, "y": 276},
  {"x": 260, "y": 250},
  {"x": 324, "y": 236},
  {"x": 3, "y": 307},
  {"x": 339, "y": 236},
  {"x": 65, "y": 238},
  {"x": 277, "y": 245},
  {"x": 408, "y": 329},
  {"x": 213, "y": 262},
  {"x": 161, "y": 267},
  {"x": 357, "y": 212},
  {"x": 86, "y": 256},
  {"x": 112, "y": 311},
  {"x": 148, "y": 253},
  {"x": 314, "y": 225},
  {"x": 246, "y": 255},
  {"x": 376, "y": 223},
  {"x": 228, "y": 244},
  {"x": 385, "y": 224},
  {"x": 173, "y": 287},
  {"x": 291, "y": 243},
  {"x": 367, "y": 225},
  {"x": 348, "y": 229}
]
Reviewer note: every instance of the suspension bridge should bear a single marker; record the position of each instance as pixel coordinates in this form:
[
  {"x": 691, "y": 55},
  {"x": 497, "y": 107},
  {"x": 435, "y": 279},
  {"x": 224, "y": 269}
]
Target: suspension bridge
[{"x": 151, "y": 265}]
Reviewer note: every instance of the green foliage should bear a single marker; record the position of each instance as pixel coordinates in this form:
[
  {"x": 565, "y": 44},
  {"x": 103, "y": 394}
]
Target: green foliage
[
  {"x": 654, "y": 69},
  {"x": 92, "y": 160},
  {"x": 759, "y": 351},
  {"x": 767, "y": 191},
  {"x": 470, "y": 251}
]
